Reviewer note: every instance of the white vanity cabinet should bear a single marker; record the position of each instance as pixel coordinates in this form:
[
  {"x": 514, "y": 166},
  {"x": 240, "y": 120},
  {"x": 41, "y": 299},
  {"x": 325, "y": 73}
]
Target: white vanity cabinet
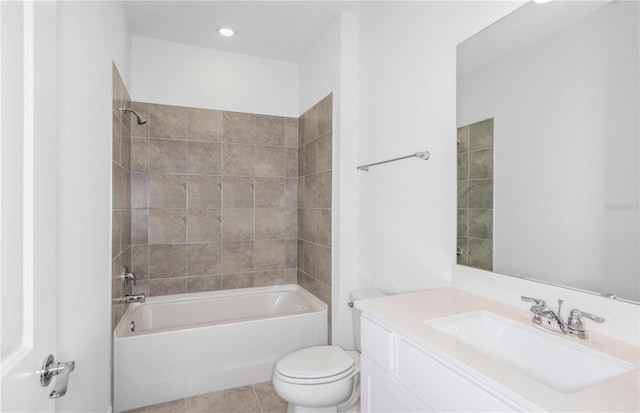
[{"x": 400, "y": 375}]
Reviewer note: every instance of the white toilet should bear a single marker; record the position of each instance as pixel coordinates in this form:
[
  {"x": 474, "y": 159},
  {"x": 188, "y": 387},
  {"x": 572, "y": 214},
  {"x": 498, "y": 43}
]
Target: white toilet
[{"x": 323, "y": 378}]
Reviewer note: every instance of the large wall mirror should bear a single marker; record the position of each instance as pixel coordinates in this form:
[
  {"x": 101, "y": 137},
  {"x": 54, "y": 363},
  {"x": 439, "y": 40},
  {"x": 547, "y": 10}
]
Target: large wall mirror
[{"x": 548, "y": 146}]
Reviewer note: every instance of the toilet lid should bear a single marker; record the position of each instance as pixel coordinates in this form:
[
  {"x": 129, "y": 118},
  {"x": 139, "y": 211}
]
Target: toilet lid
[{"x": 315, "y": 362}]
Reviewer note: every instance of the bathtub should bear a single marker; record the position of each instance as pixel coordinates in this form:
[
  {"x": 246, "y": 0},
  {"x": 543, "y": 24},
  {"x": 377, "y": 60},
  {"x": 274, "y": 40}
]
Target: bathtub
[{"x": 177, "y": 346}]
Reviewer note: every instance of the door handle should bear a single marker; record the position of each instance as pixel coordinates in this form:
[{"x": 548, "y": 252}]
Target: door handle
[{"x": 63, "y": 369}]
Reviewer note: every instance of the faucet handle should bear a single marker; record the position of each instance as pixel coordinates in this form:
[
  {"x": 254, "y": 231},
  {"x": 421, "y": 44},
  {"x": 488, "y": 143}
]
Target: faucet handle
[
  {"x": 575, "y": 325},
  {"x": 127, "y": 276},
  {"x": 538, "y": 301},
  {"x": 576, "y": 314}
]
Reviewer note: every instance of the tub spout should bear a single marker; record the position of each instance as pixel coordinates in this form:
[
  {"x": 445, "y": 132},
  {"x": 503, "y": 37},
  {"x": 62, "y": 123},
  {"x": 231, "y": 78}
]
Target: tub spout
[{"x": 135, "y": 298}]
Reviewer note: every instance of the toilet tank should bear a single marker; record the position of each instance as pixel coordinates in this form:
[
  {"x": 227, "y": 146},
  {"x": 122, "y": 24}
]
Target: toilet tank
[{"x": 355, "y": 313}]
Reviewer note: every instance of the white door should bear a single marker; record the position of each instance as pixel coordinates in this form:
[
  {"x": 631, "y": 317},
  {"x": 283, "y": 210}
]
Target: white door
[{"x": 27, "y": 202}]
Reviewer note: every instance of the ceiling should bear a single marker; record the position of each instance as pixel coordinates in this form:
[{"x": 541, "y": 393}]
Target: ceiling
[{"x": 273, "y": 29}]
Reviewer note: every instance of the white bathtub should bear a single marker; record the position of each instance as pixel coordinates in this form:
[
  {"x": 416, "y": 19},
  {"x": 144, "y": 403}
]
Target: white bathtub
[{"x": 189, "y": 344}]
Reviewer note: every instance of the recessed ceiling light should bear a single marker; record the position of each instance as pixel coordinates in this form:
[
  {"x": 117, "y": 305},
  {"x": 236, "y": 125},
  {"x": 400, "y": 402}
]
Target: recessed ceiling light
[{"x": 226, "y": 31}]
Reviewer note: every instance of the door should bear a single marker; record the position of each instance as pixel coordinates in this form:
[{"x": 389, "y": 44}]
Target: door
[{"x": 27, "y": 202}]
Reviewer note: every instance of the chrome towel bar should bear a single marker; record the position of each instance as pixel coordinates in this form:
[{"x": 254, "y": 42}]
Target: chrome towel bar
[{"x": 422, "y": 155}]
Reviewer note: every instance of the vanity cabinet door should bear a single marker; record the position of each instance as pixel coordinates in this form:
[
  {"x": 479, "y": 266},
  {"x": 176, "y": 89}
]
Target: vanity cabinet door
[
  {"x": 377, "y": 342},
  {"x": 441, "y": 385},
  {"x": 381, "y": 392}
]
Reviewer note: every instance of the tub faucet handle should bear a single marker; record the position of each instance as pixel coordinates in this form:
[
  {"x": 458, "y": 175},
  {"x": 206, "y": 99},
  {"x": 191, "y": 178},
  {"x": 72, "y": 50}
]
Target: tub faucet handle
[{"x": 127, "y": 276}]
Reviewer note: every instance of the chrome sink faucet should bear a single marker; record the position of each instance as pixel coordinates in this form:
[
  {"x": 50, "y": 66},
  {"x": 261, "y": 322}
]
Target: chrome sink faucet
[{"x": 551, "y": 320}]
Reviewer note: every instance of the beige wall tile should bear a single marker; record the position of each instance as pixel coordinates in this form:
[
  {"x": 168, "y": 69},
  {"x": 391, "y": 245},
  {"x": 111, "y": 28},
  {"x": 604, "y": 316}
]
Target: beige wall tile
[
  {"x": 269, "y": 130},
  {"x": 139, "y": 190},
  {"x": 231, "y": 281},
  {"x": 463, "y": 139},
  {"x": 301, "y": 191},
  {"x": 291, "y": 192},
  {"x": 237, "y": 257},
  {"x": 167, "y": 156},
  {"x": 125, "y": 233},
  {"x": 463, "y": 166},
  {"x": 481, "y": 223},
  {"x": 301, "y": 167},
  {"x": 463, "y": 219},
  {"x": 140, "y": 262},
  {"x": 269, "y": 193},
  {"x": 269, "y": 255},
  {"x": 139, "y": 226},
  {"x": 268, "y": 278},
  {"x": 323, "y": 152},
  {"x": 481, "y": 194},
  {"x": 203, "y": 259},
  {"x": 269, "y": 161},
  {"x": 167, "y": 261},
  {"x": 167, "y": 121},
  {"x": 204, "y": 158},
  {"x": 204, "y": 192},
  {"x": 204, "y": 125},
  {"x": 238, "y": 224},
  {"x": 480, "y": 253},
  {"x": 167, "y": 226},
  {"x": 237, "y": 192},
  {"x": 323, "y": 227},
  {"x": 290, "y": 223},
  {"x": 481, "y": 164},
  {"x": 324, "y": 190},
  {"x": 237, "y": 160},
  {"x": 139, "y": 154},
  {"x": 310, "y": 191},
  {"x": 115, "y": 138},
  {"x": 125, "y": 149},
  {"x": 463, "y": 194},
  {"x": 291, "y": 132},
  {"x": 116, "y": 228},
  {"x": 290, "y": 162},
  {"x": 203, "y": 225},
  {"x": 167, "y": 191},
  {"x": 291, "y": 276},
  {"x": 202, "y": 284},
  {"x": 270, "y": 223},
  {"x": 237, "y": 127},
  {"x": 325, "y": 115},
  {"x": 310, "y": 157},
  {"x": 290, "y": 253},
  {"x": 481, "y": 135},
  {"x": 310, "y": 124},
  {"x": 167, "y": 286}
]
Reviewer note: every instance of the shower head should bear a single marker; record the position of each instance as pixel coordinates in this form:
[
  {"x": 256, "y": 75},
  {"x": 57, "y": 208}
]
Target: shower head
[{"x": 141, "y": 120}]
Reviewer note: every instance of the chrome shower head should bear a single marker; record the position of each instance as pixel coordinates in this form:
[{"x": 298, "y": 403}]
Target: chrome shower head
[{"x": 141, "y": 120}]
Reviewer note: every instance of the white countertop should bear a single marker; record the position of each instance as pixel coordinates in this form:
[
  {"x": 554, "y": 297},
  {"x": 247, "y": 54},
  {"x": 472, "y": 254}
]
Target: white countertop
[{"x": 406, "y": 313}]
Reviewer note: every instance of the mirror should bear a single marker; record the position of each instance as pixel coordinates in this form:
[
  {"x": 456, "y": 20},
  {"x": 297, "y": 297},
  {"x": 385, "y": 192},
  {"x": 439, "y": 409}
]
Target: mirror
[{"x": 548, "y": 146}]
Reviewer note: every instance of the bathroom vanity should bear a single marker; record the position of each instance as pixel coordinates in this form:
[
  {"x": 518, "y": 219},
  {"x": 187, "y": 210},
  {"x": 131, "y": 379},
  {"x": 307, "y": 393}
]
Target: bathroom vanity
[{"x": 451, "y": 350}]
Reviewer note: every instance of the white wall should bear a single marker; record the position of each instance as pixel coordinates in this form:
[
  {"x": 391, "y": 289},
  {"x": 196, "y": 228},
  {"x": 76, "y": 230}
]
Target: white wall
[
  {"x": 90, "y": 36},
  {"x": 406, "y": 103},
  {"x": 183, "y": 75},
  {"x": 566, "y": 152}
]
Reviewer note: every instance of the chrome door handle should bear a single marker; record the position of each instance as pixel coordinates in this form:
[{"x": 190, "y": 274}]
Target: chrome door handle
[{"x": 63, "y": 369}]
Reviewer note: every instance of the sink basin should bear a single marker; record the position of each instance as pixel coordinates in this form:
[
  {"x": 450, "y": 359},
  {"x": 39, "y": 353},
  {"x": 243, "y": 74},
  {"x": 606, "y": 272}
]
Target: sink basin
[{"x": 552, "y": 360}]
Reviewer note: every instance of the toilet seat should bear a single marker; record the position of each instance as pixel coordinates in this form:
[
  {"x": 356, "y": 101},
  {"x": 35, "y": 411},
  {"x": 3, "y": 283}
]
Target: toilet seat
[{"x": 315, "y": 365}]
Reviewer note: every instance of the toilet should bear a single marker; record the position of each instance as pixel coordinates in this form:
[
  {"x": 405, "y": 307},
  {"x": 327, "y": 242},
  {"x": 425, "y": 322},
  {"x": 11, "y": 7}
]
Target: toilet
[{"x": 323, "y": 378}]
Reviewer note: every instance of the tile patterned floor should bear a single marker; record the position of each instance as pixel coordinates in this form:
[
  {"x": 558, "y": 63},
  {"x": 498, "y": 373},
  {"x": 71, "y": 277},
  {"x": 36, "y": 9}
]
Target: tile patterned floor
[{"x": 257, "y": 398}]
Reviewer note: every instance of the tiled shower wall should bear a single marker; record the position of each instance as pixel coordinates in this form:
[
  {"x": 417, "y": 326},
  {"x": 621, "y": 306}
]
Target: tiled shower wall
[
  {"x": 214, "y": 198},
  {"x": 314, "y": 201},
  {"x": 121, "y": 192},
  {"x": 475, "y": 194}
]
